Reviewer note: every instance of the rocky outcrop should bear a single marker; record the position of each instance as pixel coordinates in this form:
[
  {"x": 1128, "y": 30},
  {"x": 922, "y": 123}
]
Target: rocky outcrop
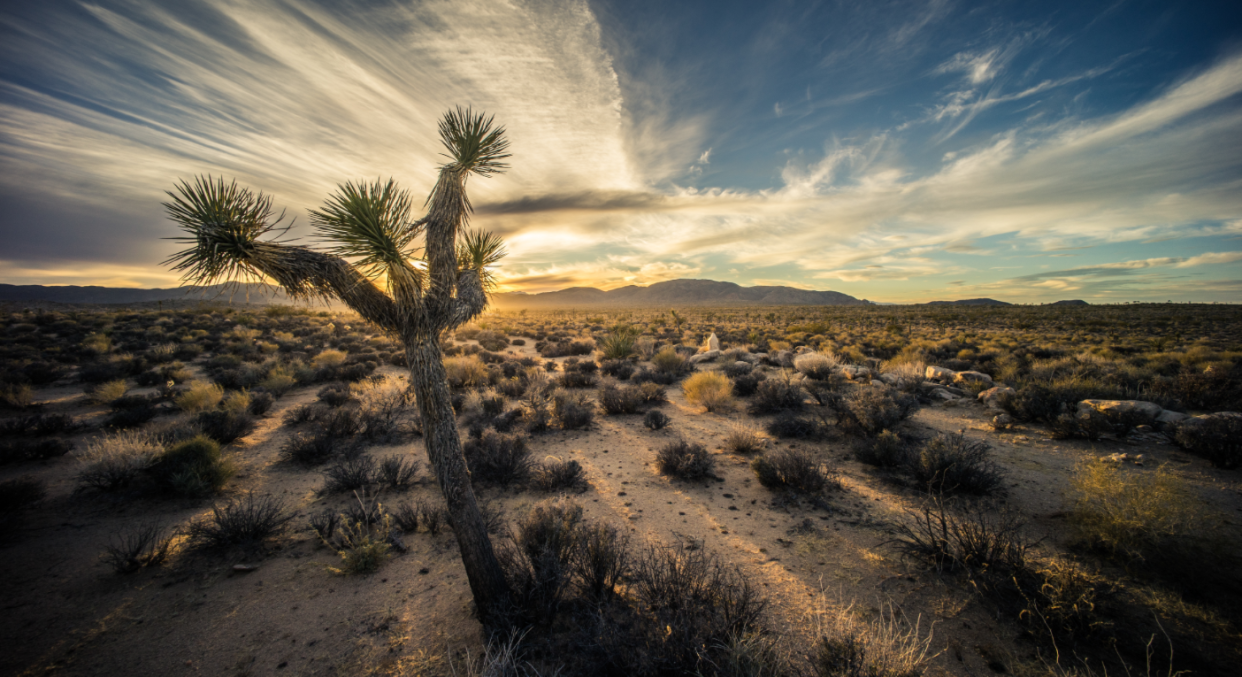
[
  {"x": 713, "y": 343},
  {"x": 939, "y": 374},
  {"x": 856, "y": 373},
  {"x": 991, "y": 398},
  {"x": 704, "y": 357},
  {"x": 968, "y": 377},
  {"x": 1138, "y": 412}
]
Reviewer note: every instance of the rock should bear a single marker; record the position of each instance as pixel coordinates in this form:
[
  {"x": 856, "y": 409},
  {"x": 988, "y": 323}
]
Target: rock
[
  {"x": 1169, "y": 419},
  {"x": 704, "y": 357},
  {"x": 1145, "y": 412},
  {"x": 742, "y": 366},
  {"x": 856, "y": 373},
  {"x": 750, "y": 358},
  {"x": 939, "y": 374},
  {"x": 713, "y": 343},
  {"x": 1002, "y": 421},
  {"x": 943, "y": 393},
  {"x": 890, "y": 379},
  {"x": 245, "y": 568},
  {"x": 972, "y": 377},
  {"x": 803, "y": 350},
  {"x": 992, "y": 396}
]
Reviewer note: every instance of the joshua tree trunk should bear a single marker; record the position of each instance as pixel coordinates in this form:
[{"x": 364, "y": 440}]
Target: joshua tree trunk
[
  {"x": 371, "y": 225},
  {"x": 487, "y": 581}
]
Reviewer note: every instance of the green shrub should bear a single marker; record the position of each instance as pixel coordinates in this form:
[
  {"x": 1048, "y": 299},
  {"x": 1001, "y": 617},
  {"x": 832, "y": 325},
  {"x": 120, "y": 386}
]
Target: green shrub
[{"x": 193, "y": 467}]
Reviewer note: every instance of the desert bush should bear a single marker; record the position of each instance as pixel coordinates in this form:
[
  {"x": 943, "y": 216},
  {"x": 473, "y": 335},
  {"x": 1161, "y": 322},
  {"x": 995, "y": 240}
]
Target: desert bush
[
  {"x": 260, "y": 403},
  {"x": 887, "y": 646},
  {"x": 794, "y": 470},
  {"x": 308, "y": 449},
  {"x": 115, "y": 461},
  {"x": 1132, "y": 512},
  {"x": 199, "y": 396},
  {"x": 1216, "y": 438},
  {"x": 15, "y": 395},
  {"x": 237, "y": 401},
  {"x": 17, "y": 494},
  {"x": 18, "y": 450},
  {"x": 655, "y": 419},
  {"x": 557, "y": 475},
  {"x": 788, "y": 425},
  {"x": 465, "y": 372},
  {"x": 565, "y": 348},
  {"x": 537, "y": 406},
  {"x": 620, "y": 343},
  {"x": 193, "y": 467},
  {"x": 350, "y": 474},
  {"x": 872, "y": 409},
  {"x": 145, "y": 546},
  {"x": 381, "y": 408},
  {"x": 905, "y": 376},
  {"x": 106, "y": 393},
  {"x": 885, "y": 450},
  {"x": 951, "y": 463},
  {"x": 328, "y": 359},
  {"x": 363, "y": 545},
  {"x": 397, "y": 472},
  {"x": 538, "y": 560},
  {"x": 775, "y": 395},
  {"x": 615, "y": 399},
  {"x": 976, "y": 538},
  {"x": 669, "y": 361},
  {"x": 685, "y": 461},
  {"x": 602, "y": 559},
  {"x": 38, "y": 425},
  {"x": 645, "y": 346},
  {"x": 1036, "y": 402},
  {"x": 335, "y": 395},
  {"x": 405, "y": 517},
  {"x": 709, "y": 389},
  {"x": 572, "y": 411},
  {"x": 618, "y": 369},
  {"x": 279, "y": 381},
  {"x": 818, "y": 366},
  {"x": 243, "y": 522},
  {"x": 573, "y": 378},
  {"x": 747, "y": 384},
  {"x": 225, "y": 426},
  {"x": 498, "y": 458},
  {"x": 743, "y": 439},
  {"x": 652, "y": 393}
]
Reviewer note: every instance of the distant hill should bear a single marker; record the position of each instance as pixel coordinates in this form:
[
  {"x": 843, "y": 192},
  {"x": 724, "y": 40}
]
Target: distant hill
[
  {"x": 676, "y": 293},
  {"x": 970, "y": 302},
  {"x": 661, "y": 294},
  {"x": 256, "y": 294},
  {"x": 1075, "y": 302}
]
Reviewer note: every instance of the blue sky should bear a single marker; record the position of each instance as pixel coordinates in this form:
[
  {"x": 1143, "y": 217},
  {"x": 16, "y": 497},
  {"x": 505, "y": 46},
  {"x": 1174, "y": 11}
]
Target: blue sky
[{"x": 894, "y": 151}]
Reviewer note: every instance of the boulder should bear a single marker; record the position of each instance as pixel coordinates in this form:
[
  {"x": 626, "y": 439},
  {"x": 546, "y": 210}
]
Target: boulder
[
  {"x": 939, "y": 374},
  {"x": 1167, "y": 420},
  {"x": 713, "y": 343},
  {"x": 890, "y": 379},
  {"x": 856, "y": 373},
  {"x": 943, "y": 394},
  {"x": 803, "y": 350},
  {"x": 704, "y": 357},
  {"x": 965, "y": 377},
  {"x": 992, "y": 396},
  {"x": 742, "y": 366},
  {"x": 1144, "y": 412}
]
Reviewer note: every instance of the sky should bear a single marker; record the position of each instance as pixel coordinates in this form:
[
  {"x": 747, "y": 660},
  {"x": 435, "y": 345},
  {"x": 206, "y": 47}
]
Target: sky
[{"x": 894, "y": 151}]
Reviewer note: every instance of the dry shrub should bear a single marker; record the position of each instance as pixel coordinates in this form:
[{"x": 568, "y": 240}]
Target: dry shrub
[
  {"x": 794, "y": 470},
  {"x": 553, "y": 474},
  {"x": 977, "y": 537},
  {"x": 243, "y": 522},
  {"x": 953, "y": 464},
  {"x": 1133, "y": 511},
  {"x": 885, "y": 450},
  {"x": 145, "y": 546},
  {"x": 615, "y": 399},
  {"x": 669, "y": 361},
  {"x": 685, "y": 461},
  {"x": 193, "y": 467},
  {"x": 498, "y": 457},
  {"x": 107, "y": 393},
  {"x": 905, "y": 376},
  {"x": 743, "y": 439},
  {"x": 818, "y": 366},
  {"x": 885, "y": 646},
  {"x": 709, "y": 389},
  {"x": 116, "y": 461},
  {"x": 775, "y": 395},
  {"x": 200, "y": 396},
  {"x": 872, "y": 409},
  {"x": 328, "y": 358},
  {"x": 465, "y": 371}
]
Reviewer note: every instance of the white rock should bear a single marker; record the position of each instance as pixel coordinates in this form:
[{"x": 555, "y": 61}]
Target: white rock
[
  {"x": 713, "y": 343},
  {"x": 939, "y": 374},
  {"x": 972, "y": 377},
  {"x": 1148, "y": 411},
  {"x": 704, "y": 357}
]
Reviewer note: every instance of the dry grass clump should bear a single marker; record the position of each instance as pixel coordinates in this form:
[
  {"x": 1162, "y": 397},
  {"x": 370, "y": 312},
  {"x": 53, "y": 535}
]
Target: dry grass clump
[
  {"x": 818, "y": 366},
  {"x": 743, "y": 439},
  {"x": 328, "y": 358},
  {"x": 953, "y": 464},
  {"x": 887, "y": 645},
  {"x": 465, "y": 371},
  {"x": 794, "y": 470},
  {"x": 146, "y": 546},
  {"x": 905, "y": 376},
  {"x": 200, "y": 396},
  {"x": 685, "y": 461},
  {"x": 709, "y": 389},
  {"x": 363, "y": 545},
  {"x": 109, "y": 392},
  {"x": 669, "y": 361},
  {"x": 114, "y": 462},
  {"x": 243, "y": 522},
  {"x": 1133, "y": 511},
  {"x": 193, "y": 467}
]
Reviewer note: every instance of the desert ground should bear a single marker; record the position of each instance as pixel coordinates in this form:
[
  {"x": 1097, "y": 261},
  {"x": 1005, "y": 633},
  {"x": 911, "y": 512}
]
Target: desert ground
[{"x": 1109, "y": 540}]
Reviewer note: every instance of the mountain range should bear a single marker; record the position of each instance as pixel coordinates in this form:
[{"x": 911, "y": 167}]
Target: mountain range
[{"x": 671, "y": 293}]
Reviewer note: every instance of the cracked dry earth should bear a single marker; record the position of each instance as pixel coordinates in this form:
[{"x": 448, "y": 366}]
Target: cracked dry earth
[{"x": 66, "y": 613}]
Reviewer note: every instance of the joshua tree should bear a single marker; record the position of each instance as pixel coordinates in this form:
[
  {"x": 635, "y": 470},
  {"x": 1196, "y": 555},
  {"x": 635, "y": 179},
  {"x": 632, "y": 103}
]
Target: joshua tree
[{"x": 371, "y": 225}]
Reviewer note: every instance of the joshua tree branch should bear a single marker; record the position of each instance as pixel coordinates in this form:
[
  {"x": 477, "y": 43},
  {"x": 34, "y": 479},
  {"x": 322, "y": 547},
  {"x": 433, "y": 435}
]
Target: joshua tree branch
[
  {"x": 308, "y": 274},
  {"x": 471, "y": 300}
]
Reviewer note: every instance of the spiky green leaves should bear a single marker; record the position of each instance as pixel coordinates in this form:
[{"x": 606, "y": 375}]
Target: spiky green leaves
[
  {"x": 223, "y": 223},
  {"x": 479, "y": 250},
  {"x": 473, "y": 146},
  {"x": 370, "y": 222}
]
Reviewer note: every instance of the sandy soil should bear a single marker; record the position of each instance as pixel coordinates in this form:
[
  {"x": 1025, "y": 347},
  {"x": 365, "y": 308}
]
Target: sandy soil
[{"x": 65, "y": 612}]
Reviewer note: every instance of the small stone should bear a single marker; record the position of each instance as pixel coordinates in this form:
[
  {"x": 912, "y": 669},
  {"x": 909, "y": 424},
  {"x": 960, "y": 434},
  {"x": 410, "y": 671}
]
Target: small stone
[{"x": 245, "y": 568}]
